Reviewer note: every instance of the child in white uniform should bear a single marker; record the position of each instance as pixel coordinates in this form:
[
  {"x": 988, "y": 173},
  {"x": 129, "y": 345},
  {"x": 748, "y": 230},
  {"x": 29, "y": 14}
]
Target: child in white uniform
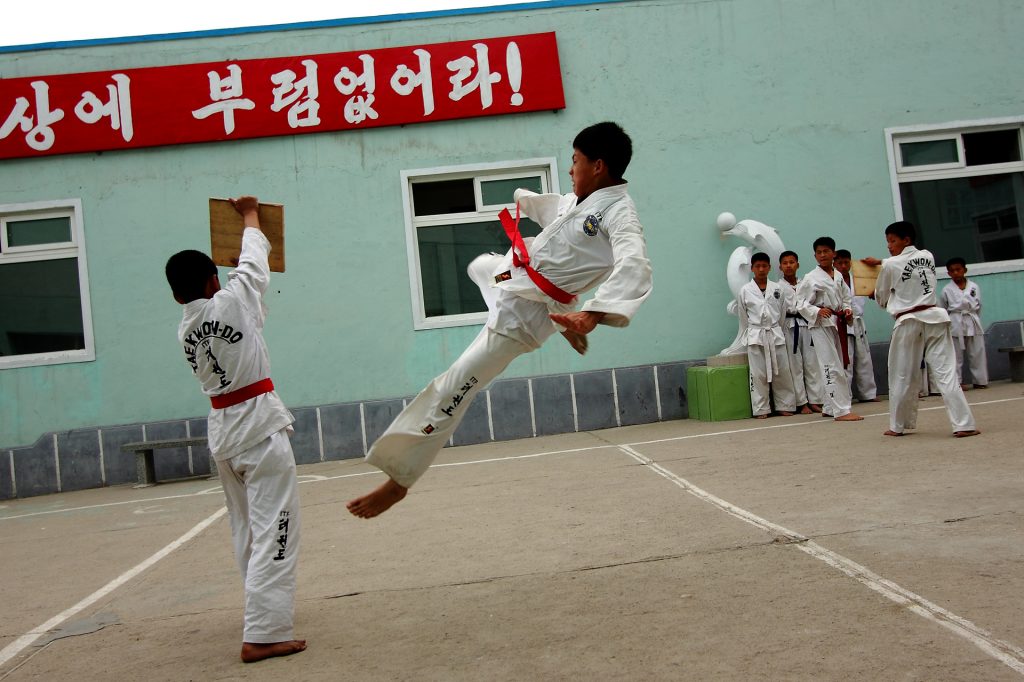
[
  {"x": 823, "y": 299},
  {"x": 591, "y": 238},
  {"x": 802, "y": 363},
  {"x": 761, "y": 306},
  {"x": 906, "y": 288},
  {"x": 962, "y": 299},
  {"x": 861, "y": 371},
  {"x": 221, "y": 333}
]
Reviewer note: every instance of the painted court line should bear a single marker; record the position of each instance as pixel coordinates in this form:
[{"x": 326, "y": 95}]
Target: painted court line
[
  {"x": 1006, "y": 653},
  {"x": 26, "y": 640}
]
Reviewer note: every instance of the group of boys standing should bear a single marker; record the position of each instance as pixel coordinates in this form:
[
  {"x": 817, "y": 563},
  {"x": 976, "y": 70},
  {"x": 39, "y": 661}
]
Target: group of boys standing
[{"x": 807, "y": 345}]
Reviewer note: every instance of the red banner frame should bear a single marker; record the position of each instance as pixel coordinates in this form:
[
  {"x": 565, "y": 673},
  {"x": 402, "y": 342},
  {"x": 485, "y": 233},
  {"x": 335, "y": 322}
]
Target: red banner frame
[{"x": 243, "y": 99}]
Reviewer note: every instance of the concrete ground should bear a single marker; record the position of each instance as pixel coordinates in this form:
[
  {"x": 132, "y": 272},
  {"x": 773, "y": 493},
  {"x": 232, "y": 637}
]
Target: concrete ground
[{"x": 788, "y": 549}]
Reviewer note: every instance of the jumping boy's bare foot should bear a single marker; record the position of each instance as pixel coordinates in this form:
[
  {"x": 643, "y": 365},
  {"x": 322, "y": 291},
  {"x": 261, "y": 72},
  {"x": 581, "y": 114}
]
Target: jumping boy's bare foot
[
  {"x": 966, "y": 434},
  {"x": 890, "y": 432},
  {"x": 377, "y": 502},
  {"x": 578, "y": 342},
  {"x": 850, "y": 417},
  {"x": 257, "y": 652}
]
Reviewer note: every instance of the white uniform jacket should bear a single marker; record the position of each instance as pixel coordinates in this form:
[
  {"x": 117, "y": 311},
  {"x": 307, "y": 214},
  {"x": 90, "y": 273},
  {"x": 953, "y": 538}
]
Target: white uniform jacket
[
  {"x": 906, "y": 282},
  {"x": 819, "y": 290},
  {"x": 964, "y": 307},
  {"x": 762, "y": 314},
  {"x": 223, "y": 342},
  {"x": 597, "y": 243}
]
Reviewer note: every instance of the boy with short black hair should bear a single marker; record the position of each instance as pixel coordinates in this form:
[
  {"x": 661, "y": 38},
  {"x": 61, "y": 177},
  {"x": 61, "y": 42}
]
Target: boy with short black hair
[
  {"x": 861, "y": 372},
  {"x": 906, "y": 288},
  {"x": 222, "y": 334},
  {"x": 761, "y": 307},
  {"x": 823, "y": 300},
  {"x": 962, "y": 299},
  {"x": 802, "y": 363}
]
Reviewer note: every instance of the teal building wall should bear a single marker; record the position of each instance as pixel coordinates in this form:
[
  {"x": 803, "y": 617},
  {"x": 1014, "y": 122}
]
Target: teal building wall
[{"x": 773, "y": 110}]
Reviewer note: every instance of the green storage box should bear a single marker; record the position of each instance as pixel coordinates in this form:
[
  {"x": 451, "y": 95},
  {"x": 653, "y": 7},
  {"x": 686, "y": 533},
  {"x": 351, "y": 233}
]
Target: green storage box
[{"x": 719, "y": 394}]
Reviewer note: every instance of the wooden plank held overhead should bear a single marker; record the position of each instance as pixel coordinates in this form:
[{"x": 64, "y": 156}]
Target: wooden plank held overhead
[{"x": 226, "y": 233}]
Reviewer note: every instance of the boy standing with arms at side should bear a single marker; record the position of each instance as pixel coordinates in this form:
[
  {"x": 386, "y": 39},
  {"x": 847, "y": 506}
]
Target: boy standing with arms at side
[
  {"x": 906, "y": 288},
  {"x": 962, "y": 299},
  {"x": 824, "y": 300},
  {"x": 860, "y": 372},
  {"x": 802, "y": 363},
  {"x": 762, "y": 308},
  {"x": 222, "y": 335}
]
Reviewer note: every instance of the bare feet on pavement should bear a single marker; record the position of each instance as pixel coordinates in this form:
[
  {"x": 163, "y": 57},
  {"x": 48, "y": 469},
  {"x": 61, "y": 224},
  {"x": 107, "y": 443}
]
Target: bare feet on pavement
[
  {"x": 966, "y": 434},
  {"x": 814, "y": 408},
  {"x": 890, "y": 432},
  {"x": 377, "y": 502},
  {"x": 257, "y": 652},
  {"x": 806, "y": 409},
  {"x": 850, "y": 417}
]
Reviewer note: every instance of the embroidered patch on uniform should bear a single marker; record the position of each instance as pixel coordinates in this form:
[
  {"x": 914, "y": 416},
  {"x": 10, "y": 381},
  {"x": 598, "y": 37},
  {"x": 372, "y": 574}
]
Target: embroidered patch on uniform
[
  {"x": 592, "y": 224},
  {"x": 428, "y": 429},
  {"x": 974, "y": 293},
  {"x": 776, "y": 293},
  {"x": 502, "y": 277}
]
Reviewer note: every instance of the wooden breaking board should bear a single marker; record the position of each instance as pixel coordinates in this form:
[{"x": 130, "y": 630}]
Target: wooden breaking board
[
  {"x": 226, "y": 233},
  {"x": 864, "y": 277}
]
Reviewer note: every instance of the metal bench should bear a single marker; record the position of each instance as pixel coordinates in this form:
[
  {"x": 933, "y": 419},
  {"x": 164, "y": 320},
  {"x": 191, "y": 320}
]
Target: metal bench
[
  {"x": 1016, "y": 354},
  {"x": 144, "y": 456}
]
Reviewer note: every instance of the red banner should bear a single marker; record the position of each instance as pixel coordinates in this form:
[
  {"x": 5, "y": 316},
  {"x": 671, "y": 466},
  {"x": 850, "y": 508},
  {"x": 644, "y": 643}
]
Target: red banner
[{"x": 132, "y": 108}]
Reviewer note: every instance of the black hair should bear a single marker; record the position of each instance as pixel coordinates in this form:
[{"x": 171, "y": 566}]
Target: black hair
[
  {"x": 903, "y": 230},
  {"x": 843, "y": 253},
  {"x": 188, "y": 272},
  {"x": 825, "y": 241},
  {"x": 610, "y": 143},
  {"x": 956, "y": 260},
  {"x": 788, "y": 253},
  {"x": 760, "y": 257}
]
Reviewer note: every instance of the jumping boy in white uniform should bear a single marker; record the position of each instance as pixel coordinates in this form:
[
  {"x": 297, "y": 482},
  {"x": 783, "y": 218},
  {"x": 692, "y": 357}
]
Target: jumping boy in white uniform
[
  {"x": 906, "y": 288},
  {"x": 762, "y": 308},
  {"x": 861, "y": 372},
  {"x": 962, "y": 299},
  {"x": 823, "y": 298},
  {"x": 591, "y": 238},
  {"x": 222, "y": 336},
  {"x": 802, "y": 363}
]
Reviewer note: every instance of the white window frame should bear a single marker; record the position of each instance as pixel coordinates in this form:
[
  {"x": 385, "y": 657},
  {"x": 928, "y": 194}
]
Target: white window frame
[
  {"x": 501, "y": 170},
  {"x": 898, "y": 173},
  {"x": 60, "y": 208}
]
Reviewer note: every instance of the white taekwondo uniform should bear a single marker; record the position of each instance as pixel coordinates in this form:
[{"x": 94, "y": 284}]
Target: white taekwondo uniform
[
  {"x": 804, "y": 365},
  {"x": 596, "y": 243},
  {"x": 964, "y": 307},
  {"x": 906, "y": 288},
  {"x": 861, "y": 371},
  {"x": 223, "y": 342},
  {"x": 761, "y": 315},
  {"x": 819, "y": 290}
]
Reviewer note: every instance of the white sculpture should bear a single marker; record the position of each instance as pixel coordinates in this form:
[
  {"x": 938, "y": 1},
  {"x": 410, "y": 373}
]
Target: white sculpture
[{"x": 761, "y": 237}]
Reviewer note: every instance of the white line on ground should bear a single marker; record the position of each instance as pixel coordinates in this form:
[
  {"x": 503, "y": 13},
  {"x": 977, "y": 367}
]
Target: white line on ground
[
  {"x": 1008, "y": 654},
  {"x": 26, "y": 640}
]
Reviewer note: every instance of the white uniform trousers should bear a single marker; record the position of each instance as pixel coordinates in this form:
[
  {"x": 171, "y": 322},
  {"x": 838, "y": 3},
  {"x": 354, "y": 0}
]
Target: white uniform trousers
[
  {"x": 835, "y": 384},
  {"x": 804, "y": 366},
  {"x": 910, "y": 339},
  {"x": 780, "y": 384},
  {"x": 263, "y": 506},
  {"x": 861, "y": 371},
  {"x": 977, "y": 361}
]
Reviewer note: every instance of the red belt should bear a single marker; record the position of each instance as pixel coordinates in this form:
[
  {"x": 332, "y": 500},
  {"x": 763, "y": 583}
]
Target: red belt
[
  {"x": 916, "y": 308},
  {"x": 521, "y": 259},
  {"x": 223, "y": 400}
]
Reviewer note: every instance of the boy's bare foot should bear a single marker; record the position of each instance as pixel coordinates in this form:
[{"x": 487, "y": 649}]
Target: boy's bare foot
[
  {"x": 760, "y": 416},
  {"x": 257, "y": 652},
  {"x": 850, "y": 417},
  {"x": 785, "y": 414},
  {"x": 578, "y": 342},
  {"x": 377, "y": 502},
  {"x": 890, "y": 432},
  {"x": 876, "y": 399},
  {"x": 966, "y": 434},
  {"x": 814, "y": 408},
  {"x": 806, "y": 409},
  {"x": 981, "y": 385}
]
